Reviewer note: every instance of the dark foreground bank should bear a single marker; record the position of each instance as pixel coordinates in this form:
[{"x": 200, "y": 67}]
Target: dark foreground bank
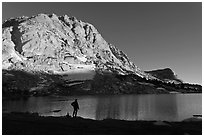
[{"x": 32, "y": 124}]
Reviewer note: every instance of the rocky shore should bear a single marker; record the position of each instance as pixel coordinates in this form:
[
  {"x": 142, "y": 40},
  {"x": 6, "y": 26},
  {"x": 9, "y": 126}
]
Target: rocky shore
[{"x": 33, "y": 124}]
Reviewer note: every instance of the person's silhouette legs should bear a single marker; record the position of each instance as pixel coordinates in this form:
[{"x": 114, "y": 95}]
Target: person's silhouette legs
[{"x": 74, "y": 113}]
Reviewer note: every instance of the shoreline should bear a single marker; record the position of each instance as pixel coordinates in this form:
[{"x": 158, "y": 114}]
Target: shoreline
[
  {"x": 17, "y": 123},
  {"x": 81, "y": 95}
]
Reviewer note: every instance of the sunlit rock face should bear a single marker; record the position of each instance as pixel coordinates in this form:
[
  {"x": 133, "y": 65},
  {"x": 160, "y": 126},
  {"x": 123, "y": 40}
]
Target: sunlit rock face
[{"x": 60, "y": 45}]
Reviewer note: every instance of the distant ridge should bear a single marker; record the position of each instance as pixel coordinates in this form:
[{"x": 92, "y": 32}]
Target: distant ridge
[{"x": 165, "y": 74}]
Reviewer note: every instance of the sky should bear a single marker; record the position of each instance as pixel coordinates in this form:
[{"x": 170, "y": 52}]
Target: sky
[{"x": 153, "y": 35}]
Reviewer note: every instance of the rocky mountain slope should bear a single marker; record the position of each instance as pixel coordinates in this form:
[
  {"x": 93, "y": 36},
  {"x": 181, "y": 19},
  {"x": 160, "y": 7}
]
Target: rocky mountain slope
[
  {"x": 45, "y": 52},
  {"x": 60, "y": 44}
]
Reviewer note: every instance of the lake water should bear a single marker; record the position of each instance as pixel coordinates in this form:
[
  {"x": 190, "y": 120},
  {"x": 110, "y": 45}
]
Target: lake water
[{"x": 171, "y": 107}]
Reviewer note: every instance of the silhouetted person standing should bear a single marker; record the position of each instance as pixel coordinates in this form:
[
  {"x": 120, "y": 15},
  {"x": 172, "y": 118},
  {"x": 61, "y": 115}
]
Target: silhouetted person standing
[{"x": 76, "y": 107}]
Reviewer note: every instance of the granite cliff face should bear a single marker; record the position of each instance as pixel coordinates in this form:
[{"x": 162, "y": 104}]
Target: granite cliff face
[
  {"x": 59, "y": 45},
  {"x": 50, "y": 52}
]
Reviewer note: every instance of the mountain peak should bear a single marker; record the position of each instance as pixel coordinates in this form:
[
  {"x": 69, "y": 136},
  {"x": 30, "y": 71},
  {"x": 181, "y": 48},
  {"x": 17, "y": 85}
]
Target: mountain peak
[{"x": 60, "y": 44}]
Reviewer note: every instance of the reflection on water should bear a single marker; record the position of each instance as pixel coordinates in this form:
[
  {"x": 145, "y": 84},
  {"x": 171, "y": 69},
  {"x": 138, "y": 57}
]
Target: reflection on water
[
  {"x": 108, "y": 108},
  {"x": 117, "y": 107},
  {"x": 172, "y": 107},
  {"x": 137, "y": 107}
]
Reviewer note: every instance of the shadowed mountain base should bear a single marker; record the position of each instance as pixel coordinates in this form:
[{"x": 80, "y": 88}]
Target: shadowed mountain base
[{"x": 32, "y": 124}]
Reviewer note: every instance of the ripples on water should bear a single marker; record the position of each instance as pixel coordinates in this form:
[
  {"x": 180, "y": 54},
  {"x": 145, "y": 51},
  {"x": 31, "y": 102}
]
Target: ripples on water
[{"x": 171, "y": 107}]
